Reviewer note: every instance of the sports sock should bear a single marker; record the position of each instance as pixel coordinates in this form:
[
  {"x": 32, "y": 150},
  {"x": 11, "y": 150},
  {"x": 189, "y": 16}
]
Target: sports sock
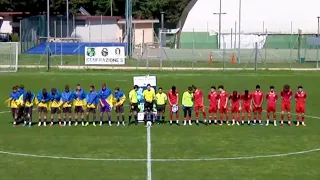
[
  {"x": 197, "y": 115},
  {"x": 204, "y": 115}
]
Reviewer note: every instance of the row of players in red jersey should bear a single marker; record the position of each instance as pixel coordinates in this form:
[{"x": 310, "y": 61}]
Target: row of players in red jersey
[{"x": 245, "y": 103}]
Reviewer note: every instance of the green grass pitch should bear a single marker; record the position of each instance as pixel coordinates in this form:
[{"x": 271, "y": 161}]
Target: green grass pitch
[{"x": 178, "y": 153}]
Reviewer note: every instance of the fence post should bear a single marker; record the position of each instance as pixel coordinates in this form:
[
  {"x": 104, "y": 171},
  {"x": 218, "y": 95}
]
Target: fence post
[
  {"x": 266, "y": 46},
  {"x": 55, "y": 36},
  {"x": 255, "y": 56},
  {"x": 101, "y": 28},
  {"x": 61, "y": 42},
  {"x": 224, "y": 56}
]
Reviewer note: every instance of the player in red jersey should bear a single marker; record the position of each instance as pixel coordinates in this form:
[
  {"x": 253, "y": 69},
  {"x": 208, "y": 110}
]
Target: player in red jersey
[
  {"x": 300, "y": 97},
  {"x": 213, "y": 98},
  {"x": 199, "y": 104},
  {"x": 246, "y": 105},
  {"x": 286, "y": 94},
  {"x": 223, "y": 104},
  {"x": 257, "y": 100},
  {"x": 235, "y": 107},
  {"x": 272, "y": 98},
  {"x": 173, "y": 97}
]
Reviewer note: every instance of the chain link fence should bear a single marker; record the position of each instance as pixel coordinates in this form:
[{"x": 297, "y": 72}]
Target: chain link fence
[{"x": 204, "y": 51}]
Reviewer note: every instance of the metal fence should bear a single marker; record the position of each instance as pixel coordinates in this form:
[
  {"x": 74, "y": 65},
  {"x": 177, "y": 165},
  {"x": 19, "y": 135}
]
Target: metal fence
[
  {"x": 291, "y": 51},
  {"x": 33, "y": 31}
]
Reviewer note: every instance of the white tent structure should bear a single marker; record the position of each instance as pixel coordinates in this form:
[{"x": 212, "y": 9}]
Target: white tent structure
[{"x": 277, "y": 16}]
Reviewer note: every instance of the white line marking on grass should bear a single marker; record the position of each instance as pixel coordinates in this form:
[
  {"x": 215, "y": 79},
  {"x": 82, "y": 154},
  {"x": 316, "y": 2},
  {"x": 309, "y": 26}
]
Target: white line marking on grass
[
  {"x": 69, "y": 158},
  {"x": 238, "y": 158},
  {"x": 161, "y": 160},
  {"x": 149, "y": 158}
]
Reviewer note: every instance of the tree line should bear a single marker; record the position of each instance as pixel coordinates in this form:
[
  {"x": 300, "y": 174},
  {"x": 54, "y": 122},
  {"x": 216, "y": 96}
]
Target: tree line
[{"x": 144, "y": 9}]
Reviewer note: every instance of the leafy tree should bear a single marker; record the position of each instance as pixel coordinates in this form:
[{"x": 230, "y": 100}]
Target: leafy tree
[{"x": 144, "y": 9}]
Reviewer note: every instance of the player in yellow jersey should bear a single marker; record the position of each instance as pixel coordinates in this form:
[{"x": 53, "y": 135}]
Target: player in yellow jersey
[
  {"x": 133, "y": 100},
  {"x": 28, "y": 102}
]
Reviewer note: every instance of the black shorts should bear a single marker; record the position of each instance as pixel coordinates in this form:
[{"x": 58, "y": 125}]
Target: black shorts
[
  {"x": 148, "y": 106},
  {"x": 91, "y": 110},
  {"x": 187, "y": 109},
  {"x": 42, "y": 109},
  {"x": 119, "y": 109},
  {"x": 161, "y": 108},
  {"x": 134, "y": 107},
  {"x": 27, "y": 110},
  {"x": 67, "y": 110},
  {"x": 55, "y": 110},
  {"x": 78, "y": 109}
]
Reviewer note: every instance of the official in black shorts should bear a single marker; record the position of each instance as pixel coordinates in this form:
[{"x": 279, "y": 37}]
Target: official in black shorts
[
  {"x": 134, "y": 107},
  {"x": 148, "y": 106},
  {"x": 149, "y": 97},
  {"x": 161, "y": 101}
]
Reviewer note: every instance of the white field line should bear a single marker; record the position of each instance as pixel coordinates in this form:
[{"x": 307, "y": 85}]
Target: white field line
[
  {"x": 161, "y": 160},
  {"x": 239, "y": 158},
  {"x": 149, "y": 158}
]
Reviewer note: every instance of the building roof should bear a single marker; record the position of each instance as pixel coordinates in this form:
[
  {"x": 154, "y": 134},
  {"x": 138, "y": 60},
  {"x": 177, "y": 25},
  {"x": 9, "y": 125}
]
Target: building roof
[
  {"x": 139, "y": 21},
  {"x": 12, "y": 13},
  {"x": 83, "y": 17}
]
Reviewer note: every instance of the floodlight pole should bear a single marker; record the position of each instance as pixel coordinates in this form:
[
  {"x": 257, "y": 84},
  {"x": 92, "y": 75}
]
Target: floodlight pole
[
  {"x": 239, "y": 30},
  {"x": 318, "y": 34},
  {"x": 162, "y": 20},
  {"x": 161, "y": 38},
  {"x": 220, "y": 13},
  {"x": 67, "y": 18},
  {"x": 48, "y": 35},
  {"x": 111, "y": 8}
]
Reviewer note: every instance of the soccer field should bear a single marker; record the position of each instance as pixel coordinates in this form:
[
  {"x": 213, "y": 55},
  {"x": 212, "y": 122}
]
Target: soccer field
[{"x": 162, "y": 152}]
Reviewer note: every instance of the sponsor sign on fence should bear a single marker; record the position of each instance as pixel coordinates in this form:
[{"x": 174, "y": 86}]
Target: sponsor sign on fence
[{"x": 114, "y": 55}]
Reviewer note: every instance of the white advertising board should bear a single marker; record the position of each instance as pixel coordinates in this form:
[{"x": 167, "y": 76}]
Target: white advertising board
[
  {"x": 142, "y": 82},
  {"x": 114, "y": 55}
]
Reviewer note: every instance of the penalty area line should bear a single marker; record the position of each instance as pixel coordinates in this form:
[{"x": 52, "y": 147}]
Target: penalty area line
[{"x": 162, "y": 160}]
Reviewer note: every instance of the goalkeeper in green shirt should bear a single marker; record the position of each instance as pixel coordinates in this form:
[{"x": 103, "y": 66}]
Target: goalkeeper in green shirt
[{"x": 187, "y": 105}]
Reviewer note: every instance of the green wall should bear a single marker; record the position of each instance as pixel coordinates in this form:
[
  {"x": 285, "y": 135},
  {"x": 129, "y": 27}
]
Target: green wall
[{"x": 202, "y": 40}]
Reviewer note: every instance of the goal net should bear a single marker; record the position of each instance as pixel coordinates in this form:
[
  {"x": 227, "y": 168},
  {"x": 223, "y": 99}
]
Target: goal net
[{"x": 9, "y": 56}]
